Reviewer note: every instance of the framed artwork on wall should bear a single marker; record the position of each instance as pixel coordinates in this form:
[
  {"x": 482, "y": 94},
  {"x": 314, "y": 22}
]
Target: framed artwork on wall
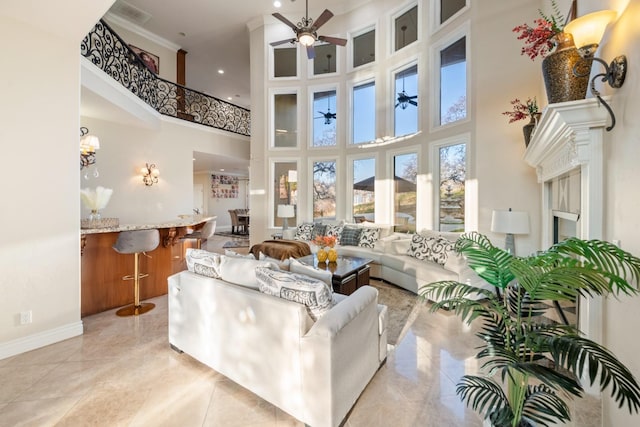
[
  {"x": 150, "y": 60},
  {"x": 224, "y": 187}
]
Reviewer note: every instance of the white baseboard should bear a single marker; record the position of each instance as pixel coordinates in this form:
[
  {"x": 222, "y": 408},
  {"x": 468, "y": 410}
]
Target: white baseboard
[{"x": 41, "y": 339}]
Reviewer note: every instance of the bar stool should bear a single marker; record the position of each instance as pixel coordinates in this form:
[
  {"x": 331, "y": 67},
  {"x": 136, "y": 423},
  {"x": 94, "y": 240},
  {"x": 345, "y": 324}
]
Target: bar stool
[
  {"x": 206, "y": 232},
  {"x": 136, "y": 242}
]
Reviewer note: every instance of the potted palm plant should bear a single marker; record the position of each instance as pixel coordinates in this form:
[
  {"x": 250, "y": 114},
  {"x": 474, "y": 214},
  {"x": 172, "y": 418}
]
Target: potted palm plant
[{"x": 532, "y": 364}]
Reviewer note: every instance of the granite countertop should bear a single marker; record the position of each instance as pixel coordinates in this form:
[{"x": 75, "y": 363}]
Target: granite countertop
[{"x": 182, "y": 221}]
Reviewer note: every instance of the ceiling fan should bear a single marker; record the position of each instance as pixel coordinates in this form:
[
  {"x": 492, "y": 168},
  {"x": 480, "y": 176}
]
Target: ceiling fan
[
  {"x": 306, "y": 31},
  {"x": 404, "y": 100}
]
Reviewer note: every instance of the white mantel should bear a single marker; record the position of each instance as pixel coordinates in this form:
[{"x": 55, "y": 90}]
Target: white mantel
[{"x": 570, "y": 136}]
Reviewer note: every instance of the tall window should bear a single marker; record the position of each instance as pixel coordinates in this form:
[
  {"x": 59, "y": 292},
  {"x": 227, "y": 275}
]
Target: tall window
[
  {"x": 324, "y": 118},
  {"x": 453, "y": 82},
  {"x": 284, "y": 61},
  {"x": 405, "y": 169},
  {"x": 364, "y": 178},
  {"x": 285, "y": 190},
  {"x": 448, "y": 8},
  {"x": 325, "y": 60},
  {"x": 406, "y": 101},
  {"x": 364, "y": 113},
  {"x": 285, "y": 120},
  {"x": 452, "y": 172},
  {"x": 364, "y": 48},
  {"x": 406, "y": 28},
  {"x": 324, "y": 189}
]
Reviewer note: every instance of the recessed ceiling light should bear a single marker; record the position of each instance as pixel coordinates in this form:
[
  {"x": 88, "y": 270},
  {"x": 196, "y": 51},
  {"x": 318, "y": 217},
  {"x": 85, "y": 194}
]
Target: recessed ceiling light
[
  {"x": 220, "y": 71},
  {"x": 221, "y": 170},
  {"x": 277, "y": 3},
  {"x": 229, "y": 98}
]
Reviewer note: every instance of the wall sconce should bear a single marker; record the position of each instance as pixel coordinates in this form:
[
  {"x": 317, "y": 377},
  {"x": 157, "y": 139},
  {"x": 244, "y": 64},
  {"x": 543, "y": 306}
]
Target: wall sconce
[
  {"x": 587, "y": 32},
  {"x": 150, "y": 174},
  {"x": 88, "y": 146}
]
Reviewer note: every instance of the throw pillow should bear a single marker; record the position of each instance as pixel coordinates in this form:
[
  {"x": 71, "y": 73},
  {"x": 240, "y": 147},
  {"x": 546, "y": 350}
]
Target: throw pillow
[
  {"x": 304, "y": 231},
  {"x": 440, "y": 248},
  {"x": 203, "y": 262},
  {"x": 420, "y": 247},
  {"x": 368, "y": 237},
  {"x": 235, "y": 254},
  {"x": 318, "y": 230},
  {"x": 313, "y": 293},
  {"x": 350, "y": 236},
  {"x": 242, "y": 271},
  {"x": 334, "y": 230},
  {"x": 282, "y": 264},
  {"x": 296, "y": 266}
]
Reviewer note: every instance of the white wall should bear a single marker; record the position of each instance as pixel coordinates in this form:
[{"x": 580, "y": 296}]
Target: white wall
[
  {"x": 40, "y": 247},
  {"x": 124, "y": 149},
  {"x": 622, "y": 197}
]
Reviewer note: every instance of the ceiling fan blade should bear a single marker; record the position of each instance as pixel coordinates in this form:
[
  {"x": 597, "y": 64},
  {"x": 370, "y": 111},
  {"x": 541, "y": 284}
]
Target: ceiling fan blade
[
  {"x": 333, "y": 40},
  {"x": 278, "y": 43},
  {"x": 311, "y": 53},
  {"x": 412, "y": 97},
  {"x": 413, "y": 103},
  {"x": 322, "y": 19},
  {"x": 286, "y": 21}
]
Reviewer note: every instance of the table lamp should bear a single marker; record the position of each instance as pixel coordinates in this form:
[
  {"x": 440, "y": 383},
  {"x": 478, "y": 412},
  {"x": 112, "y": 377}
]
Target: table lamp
[
  {"x": 285, "y": 212},
  {"x": 510, "y": 222}
]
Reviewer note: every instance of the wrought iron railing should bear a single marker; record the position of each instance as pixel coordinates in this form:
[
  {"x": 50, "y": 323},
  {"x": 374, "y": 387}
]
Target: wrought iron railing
[{"x": 104, "y": 48}]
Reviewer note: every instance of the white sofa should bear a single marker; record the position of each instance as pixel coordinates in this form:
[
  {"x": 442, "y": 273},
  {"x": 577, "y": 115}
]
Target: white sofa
[
  {"x": 392, "y": 263},
  {"x": 315, "y": 371}
]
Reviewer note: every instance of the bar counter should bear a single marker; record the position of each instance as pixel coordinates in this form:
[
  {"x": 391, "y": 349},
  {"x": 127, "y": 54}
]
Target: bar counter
[{"x": 102, "y": 287}]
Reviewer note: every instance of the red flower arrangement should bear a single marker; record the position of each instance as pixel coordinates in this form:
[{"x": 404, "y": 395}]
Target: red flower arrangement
[
  {"x": 538, "y": 39},
  {"x": 522, "y": 110},
  {"x": 324, "y": 241}
]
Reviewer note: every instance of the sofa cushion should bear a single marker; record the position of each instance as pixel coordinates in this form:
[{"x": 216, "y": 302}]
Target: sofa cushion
[
  {"x": 313, "y": 293},
  {"x": 334, "y": 230},
  {"x": 230, "y": 253},
  {"x": 282, "y": 264},
  {"x": 399, "y": 246},
  {"x": 420, "y": 247},
  {"x": 385, "y": 229},
  {"x": 203, "y": 262},
  {"x": 304, "y": 230},
  {"x": 368, "y": 237},
  {"x": 383, "y": 244},
  {"x": 242, "y": 271},
  {"x": 350, "y": 236},
  {"x": 296, "y": 266}
]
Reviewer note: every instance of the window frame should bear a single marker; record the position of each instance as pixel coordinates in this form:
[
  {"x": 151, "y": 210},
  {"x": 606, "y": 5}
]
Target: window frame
[
  {"x": 273, "y": 92},
  {"x": 434, "y": 14},
  {"x": 435, "y": 50},
  {"x": 271, "y": 217},
  {"x": 350, "y": 179},
  {"x": 391, "y": 114},
  {"x": 392, "y": 27},
  {"x": 391, "y": 155},
  {"x": 311, "y": 112},
  {"x": 310, "y": 65},
  {"x": 376, "y": 48},
  {"x": 434, "y": 148},
  {"x": 272, "y": 64},
  {"x": 351, "y": 85},
  {"x": 339, "y": 173}
]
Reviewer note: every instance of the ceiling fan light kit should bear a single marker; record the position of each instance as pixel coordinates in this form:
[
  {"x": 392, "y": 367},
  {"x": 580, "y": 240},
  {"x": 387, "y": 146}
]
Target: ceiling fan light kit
[{"x": 306, "y": 31}]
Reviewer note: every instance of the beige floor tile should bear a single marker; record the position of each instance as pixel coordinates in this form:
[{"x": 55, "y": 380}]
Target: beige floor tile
[
  {"x": 36, "y": 413},
  {"x": 17, "y": 380}
]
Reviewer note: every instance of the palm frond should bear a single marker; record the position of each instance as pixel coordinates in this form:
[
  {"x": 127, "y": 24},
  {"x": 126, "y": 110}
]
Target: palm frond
[
  {"x": 582, "y": 356},
  {"x": 489, "y": 262},
  {"x": 543, "y": 406},
  {"x": 619, "y": 266},
  {"x": 484, "y": 396}
]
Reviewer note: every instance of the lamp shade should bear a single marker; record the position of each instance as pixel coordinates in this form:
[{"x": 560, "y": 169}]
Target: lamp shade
[
  {"x": 588, "y": 29},
  {"x": 89, "y": 143},
  {"x": 286, "y": 211},
  {"x": 510, "y": 222}
]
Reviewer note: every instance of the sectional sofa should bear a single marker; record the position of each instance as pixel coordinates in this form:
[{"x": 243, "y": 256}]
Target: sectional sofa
[{"x": 406, "y": 260}]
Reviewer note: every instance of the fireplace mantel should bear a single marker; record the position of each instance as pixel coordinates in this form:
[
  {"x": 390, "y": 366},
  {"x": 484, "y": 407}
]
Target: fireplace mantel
[
  {"x": 570, "y": 136},
  {"x": 563, "y": 138}
]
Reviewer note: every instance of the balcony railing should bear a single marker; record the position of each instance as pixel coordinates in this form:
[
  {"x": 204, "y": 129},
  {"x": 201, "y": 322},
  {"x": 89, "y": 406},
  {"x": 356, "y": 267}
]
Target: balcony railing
[{"x": 104, "y": 48}]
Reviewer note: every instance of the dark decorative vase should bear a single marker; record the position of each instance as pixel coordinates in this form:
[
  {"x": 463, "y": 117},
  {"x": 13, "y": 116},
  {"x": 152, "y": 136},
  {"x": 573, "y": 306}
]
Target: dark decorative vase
[
  {"x": 557, "y": 68},
  {"x": 529, "y": 127}
]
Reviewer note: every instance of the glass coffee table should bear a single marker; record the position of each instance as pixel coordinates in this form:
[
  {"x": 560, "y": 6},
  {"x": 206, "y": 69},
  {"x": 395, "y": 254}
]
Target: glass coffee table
[{"x": 348, "y": 272}]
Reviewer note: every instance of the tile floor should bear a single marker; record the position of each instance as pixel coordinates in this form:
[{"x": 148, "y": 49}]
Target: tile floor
[{"x": 121, "y": 372}]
